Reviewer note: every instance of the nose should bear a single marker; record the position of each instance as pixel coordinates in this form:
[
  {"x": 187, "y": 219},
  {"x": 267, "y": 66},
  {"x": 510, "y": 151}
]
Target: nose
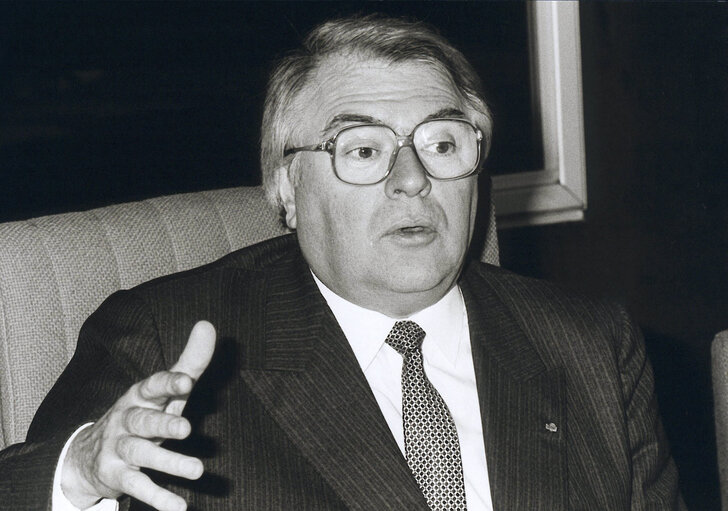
[{"x": 407, "y": 176}]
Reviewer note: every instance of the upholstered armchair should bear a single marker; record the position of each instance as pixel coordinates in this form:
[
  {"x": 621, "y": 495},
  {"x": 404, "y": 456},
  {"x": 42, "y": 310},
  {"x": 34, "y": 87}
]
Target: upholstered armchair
[{"x": 720, "y": 398}]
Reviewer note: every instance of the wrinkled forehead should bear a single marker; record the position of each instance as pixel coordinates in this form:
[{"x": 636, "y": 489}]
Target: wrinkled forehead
[
  {"x": 380, "y": 90},
  {"x": 337, "y": 62}
]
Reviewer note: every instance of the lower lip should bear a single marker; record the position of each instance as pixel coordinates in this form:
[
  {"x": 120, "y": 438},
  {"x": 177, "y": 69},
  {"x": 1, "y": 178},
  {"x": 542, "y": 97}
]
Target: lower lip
[{"x": 412, "y": 237}]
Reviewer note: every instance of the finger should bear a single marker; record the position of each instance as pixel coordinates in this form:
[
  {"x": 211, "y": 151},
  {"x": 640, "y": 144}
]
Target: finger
[
  {"x": 150, "y": 423},
  {"x": 138, "y": 452},
  {"x": 161, "y": 386},
  {"x": 198, "y": 352},
  {"x": 138, "y": 485},
  {"x": 194, "y": 359}
]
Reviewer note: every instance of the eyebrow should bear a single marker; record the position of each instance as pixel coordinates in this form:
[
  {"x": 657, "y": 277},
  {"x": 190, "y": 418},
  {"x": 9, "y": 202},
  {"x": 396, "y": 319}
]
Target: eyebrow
[
  {"x": 346, "y": 118},
  {"x": 445, "y": 112},
  {"x": 367, "y": 119}
]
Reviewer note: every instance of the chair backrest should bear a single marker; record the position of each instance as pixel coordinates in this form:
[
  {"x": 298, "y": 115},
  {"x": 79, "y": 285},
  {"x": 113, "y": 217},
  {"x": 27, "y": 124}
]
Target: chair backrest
[
  {"x": 719, "y": 355},
  {"x": 56, "y": 270}
]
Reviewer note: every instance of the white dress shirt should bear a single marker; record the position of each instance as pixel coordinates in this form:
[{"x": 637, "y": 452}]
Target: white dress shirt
[{"x": 448, "y": 362}]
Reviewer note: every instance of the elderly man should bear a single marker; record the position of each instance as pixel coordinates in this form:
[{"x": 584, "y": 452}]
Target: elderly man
[{"x": 361, "y": 362}]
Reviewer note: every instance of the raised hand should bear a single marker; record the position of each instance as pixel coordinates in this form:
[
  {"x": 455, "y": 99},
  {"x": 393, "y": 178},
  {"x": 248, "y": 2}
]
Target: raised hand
[{"x": 103, "y": 461}]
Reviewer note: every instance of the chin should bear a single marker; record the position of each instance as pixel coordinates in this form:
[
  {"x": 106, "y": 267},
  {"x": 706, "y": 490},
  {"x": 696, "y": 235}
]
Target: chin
[{"x": 414, "y": 278}]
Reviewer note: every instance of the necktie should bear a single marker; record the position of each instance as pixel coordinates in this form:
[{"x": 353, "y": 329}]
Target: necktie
[{"x": 430, "y": 438}]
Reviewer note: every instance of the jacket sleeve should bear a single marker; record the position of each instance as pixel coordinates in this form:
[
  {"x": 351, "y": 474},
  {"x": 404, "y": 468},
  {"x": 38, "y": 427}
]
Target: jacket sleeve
[
  {"x": 118, "y": 345},
  {"x": 654, "y": 475}
]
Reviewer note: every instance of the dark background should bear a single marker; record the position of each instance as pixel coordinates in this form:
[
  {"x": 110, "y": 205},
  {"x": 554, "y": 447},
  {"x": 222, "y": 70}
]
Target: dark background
[{"x": 109, "y": 102}]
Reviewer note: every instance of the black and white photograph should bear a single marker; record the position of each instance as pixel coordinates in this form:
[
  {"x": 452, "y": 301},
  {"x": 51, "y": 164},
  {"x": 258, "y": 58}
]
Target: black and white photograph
[{"x": 366, "y": 255}]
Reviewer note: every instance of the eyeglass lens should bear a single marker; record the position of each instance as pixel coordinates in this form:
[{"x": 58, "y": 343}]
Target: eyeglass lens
[{"x": 447, "y": 148}]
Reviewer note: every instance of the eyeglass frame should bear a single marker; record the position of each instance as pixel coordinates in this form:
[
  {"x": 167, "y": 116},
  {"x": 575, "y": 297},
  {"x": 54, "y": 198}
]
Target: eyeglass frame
[{"x": 329, "y": 146}]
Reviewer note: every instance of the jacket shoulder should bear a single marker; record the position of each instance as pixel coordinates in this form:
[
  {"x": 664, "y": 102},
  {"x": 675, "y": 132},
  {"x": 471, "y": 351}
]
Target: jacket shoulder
[
  {"x": 538, "y": 297},
  {"x": 562, "y": 324},
  {"x": 254, "y": 258}
]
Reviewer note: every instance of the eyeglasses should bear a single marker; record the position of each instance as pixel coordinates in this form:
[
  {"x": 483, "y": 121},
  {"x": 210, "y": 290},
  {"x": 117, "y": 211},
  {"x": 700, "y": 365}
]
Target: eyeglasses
[{"x": 364, "y": 154}]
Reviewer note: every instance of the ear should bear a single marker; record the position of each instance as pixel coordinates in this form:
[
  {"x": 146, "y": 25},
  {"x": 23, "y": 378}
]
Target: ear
[{"x": 287, "y": 194}]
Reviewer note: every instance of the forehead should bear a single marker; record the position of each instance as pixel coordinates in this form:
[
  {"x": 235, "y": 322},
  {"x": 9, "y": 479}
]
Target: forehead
[{"x": 397, "y": 94}]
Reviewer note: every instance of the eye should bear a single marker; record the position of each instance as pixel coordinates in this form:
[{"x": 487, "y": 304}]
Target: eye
[
  {"x": 365, "y": 152},
  {"x": 441, "y": 147},
  {"x": 362, "y": 153},
  {"x": 444, "y": 147}
]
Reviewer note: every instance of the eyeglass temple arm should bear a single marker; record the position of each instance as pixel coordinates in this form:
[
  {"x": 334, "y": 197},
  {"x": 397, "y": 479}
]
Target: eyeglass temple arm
[{"x": 323, "y": 146}]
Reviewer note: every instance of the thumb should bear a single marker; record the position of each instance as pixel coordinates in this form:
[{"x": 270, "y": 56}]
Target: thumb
[
  {"x": 197, "y": 354},
  {"x": 194, "y": 359}
]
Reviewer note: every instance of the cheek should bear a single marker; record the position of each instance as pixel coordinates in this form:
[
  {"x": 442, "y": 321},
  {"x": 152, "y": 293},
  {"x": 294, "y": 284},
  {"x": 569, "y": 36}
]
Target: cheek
[
  {"x": 461, "y": 206},
  {"x": 329, "y": 210},
  {"x": 311, "y": 191}
]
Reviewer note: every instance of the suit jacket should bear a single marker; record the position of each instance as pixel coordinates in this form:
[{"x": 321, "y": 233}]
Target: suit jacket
[{"x": 284, "y": 418}]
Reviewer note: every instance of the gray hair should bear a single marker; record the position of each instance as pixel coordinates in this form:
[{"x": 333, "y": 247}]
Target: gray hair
[{"x": 373, "y": 36}]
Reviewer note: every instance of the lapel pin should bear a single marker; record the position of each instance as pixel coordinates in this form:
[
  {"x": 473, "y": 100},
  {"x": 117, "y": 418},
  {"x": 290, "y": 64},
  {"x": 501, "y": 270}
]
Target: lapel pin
[{"x": 553, "y": 428}]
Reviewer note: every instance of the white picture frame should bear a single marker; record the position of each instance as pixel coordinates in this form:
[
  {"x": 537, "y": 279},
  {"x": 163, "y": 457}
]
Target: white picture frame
[{"x": 556, "y": 192}]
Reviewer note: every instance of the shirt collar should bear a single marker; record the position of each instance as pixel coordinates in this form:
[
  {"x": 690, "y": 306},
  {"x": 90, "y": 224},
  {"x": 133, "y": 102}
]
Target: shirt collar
[{"x": 366, "y": 329}]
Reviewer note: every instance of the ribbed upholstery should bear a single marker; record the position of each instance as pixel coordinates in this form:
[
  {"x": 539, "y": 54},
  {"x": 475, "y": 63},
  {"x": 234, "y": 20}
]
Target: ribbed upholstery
[
  {"x": 490, "y": 252},
  {"x": 56, "y": 270},
  {"x": 720, "y": 398}
]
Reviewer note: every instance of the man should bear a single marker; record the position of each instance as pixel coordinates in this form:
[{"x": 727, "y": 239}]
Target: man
[{"x": 361, "y": 363}]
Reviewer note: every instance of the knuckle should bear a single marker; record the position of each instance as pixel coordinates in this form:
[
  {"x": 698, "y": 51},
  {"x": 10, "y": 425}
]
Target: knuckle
[
  {"x": 155, "y": 385},
  {"x": 182, "y": 383},
  {"x": 163, "y": 384},
  {"x": 146, "y": 387},
  {"x": 132, "y": 482},
  {"x": 166, "y": 427},
  {"x": 105, "y": 473},
  {"x": 127, "y": 448},
  {"x": 134, "y": 419},
  {"x": 147, "y": 422},
  {"x": 173, "y": 384}
]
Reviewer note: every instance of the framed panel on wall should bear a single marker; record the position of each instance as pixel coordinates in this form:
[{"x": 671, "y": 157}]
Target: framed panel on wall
[{"x": 555, "y": 190}]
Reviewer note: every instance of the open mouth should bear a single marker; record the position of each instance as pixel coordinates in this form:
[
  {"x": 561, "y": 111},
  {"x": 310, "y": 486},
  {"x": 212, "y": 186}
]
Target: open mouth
[
  {"x": 409, "y": 234},
  {"x": 412, "y": 235},
  {"x": 414, "y": 229}
]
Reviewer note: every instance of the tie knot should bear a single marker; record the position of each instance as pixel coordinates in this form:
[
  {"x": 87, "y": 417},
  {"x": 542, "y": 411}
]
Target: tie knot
[{"x": 405, "y": 337}]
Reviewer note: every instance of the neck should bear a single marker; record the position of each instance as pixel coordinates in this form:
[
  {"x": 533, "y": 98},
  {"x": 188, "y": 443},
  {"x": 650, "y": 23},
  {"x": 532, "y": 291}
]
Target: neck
[{"x": 392, "y": 304}]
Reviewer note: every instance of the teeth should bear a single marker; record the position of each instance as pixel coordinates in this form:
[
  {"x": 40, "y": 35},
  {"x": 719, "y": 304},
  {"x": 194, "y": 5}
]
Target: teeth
[{"x": 411, "y": 229}]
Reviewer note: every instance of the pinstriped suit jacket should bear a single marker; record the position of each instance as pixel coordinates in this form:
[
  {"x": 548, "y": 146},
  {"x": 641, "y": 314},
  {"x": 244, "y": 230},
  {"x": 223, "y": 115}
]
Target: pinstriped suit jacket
[{"x": 284, "y": 418}]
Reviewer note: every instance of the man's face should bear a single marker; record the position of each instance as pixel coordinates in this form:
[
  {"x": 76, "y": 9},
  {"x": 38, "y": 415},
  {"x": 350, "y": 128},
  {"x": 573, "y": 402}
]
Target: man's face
[{"x": 396, "y": 246}]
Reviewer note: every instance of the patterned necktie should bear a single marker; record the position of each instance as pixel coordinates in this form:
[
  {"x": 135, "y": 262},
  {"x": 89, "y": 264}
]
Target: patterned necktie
[{"x": 430, "y": 438}]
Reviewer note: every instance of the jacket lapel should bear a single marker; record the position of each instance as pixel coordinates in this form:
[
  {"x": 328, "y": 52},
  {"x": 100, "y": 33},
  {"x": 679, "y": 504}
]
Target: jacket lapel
[
  {"x": 523, "y": 405},
  {"x": 309, "y": 380}
]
